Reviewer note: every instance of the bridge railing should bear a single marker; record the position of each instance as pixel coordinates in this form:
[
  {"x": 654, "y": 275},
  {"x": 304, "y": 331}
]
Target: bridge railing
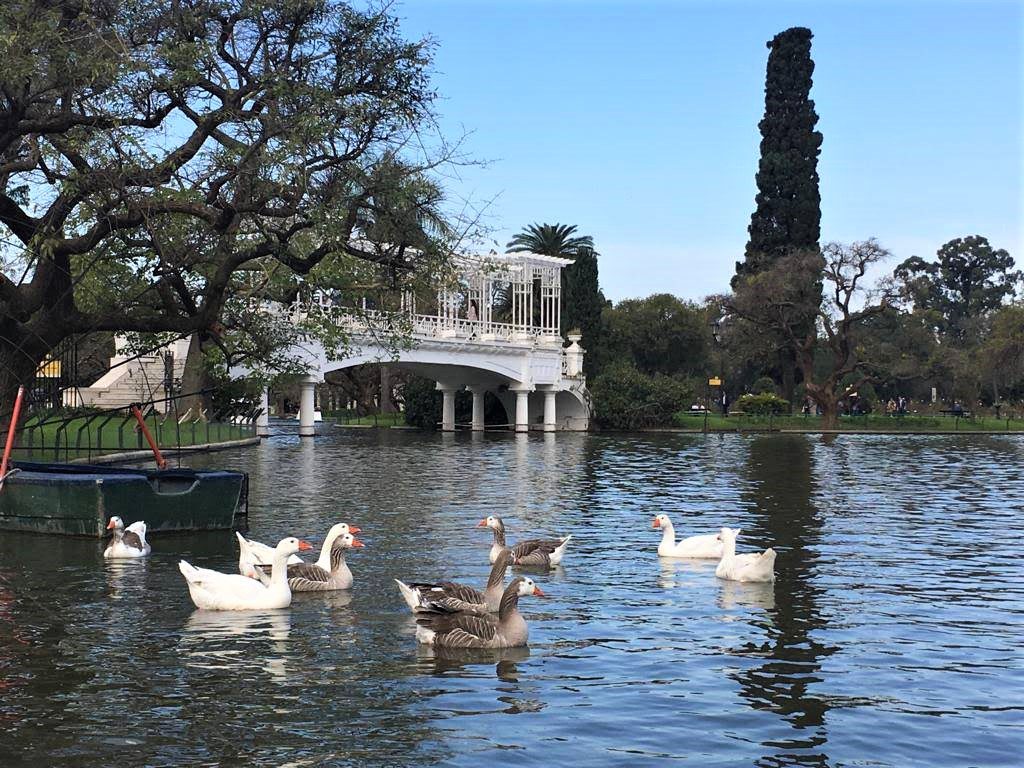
[{"x": 433, "y": 326}]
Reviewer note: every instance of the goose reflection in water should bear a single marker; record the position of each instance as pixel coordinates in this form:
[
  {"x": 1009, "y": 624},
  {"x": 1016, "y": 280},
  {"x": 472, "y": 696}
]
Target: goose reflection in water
[
  {"x": 124, "y": 574},
  {"x": 440, "y": 661},
  {"x": 237, "y": 640},
  {"x": 741, "y": 594},
  {"x": 684, "y": 571}
]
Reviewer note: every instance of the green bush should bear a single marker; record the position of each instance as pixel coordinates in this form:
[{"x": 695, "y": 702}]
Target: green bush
[
  {"x": 422, "y": 403},
  {"x": 764, "y": 404},
  {"x": 625, "y": 398},
  {"x": 764, "y": 385}
]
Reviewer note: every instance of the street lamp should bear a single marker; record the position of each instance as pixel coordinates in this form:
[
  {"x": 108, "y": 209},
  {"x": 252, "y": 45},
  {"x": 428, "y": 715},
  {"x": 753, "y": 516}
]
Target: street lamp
[{"x": 716, "y": 333}]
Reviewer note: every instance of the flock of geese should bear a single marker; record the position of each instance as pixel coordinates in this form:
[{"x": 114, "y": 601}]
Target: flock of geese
[{"x": 448, "y": 614}]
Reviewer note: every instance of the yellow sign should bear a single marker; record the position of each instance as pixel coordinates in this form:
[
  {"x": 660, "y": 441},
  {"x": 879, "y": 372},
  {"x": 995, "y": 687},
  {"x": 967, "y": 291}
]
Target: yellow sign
[
  {"x": 715, "y": 381},
  {"x": 49, "y": 370}
]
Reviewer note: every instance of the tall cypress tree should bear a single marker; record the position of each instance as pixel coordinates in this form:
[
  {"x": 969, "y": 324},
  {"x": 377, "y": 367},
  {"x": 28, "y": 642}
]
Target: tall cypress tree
[
  {"x": 582, "y": 302},
  {"x": 788, "y": 213}
]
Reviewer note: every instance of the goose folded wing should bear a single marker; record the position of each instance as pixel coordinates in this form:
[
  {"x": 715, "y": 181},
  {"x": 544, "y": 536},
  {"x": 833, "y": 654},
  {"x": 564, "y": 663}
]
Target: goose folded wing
[
  {"x": 459, "y": 629},
  {"x": 131, "y": 539},
  {"x": 528, "y": 547}
]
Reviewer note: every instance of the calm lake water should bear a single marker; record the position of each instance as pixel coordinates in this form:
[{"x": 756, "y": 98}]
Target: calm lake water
[{"x": 893, "y": 636}]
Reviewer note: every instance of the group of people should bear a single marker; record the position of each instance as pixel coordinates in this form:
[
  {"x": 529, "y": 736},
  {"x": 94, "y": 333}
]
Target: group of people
[{"x": 896, "y": 406}]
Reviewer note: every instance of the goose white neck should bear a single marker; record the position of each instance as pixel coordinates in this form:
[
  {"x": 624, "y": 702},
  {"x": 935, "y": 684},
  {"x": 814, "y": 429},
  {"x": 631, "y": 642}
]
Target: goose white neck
[
  {"x": 279, "y": 570},
  {"x": 728, "y": 548},
  {"x": 668, "y": 533},
  {"x": 325, "y": 553}
]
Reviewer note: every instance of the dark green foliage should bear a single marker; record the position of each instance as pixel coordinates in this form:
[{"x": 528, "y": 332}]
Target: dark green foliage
[
  {"x": 788, "y": 213},
  {"x": 764, "y": 385},
  {"x": 967, "y": 281},
  {"x": 582, "y": 304},
  {"x": 767, "y": 403},
  {"x": 625, "y": 398},
  {"x": 422, "y": 403},
  {"x": 660, "y": 333}
]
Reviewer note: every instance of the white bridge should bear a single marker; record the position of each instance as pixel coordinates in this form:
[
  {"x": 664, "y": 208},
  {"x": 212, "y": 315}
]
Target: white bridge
[{"x": 522, "y": 360}]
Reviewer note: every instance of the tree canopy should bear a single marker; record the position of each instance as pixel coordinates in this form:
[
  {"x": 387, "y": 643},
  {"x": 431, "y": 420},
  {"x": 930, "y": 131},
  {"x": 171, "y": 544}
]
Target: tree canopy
[
  {"x": 161, "y": 159},
  {"x": 968, "y": 280},
  {"x": 787, "y": 217}
]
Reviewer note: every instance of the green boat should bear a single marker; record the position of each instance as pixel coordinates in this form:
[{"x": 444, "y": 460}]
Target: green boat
[{"x": 78, "y": 499}]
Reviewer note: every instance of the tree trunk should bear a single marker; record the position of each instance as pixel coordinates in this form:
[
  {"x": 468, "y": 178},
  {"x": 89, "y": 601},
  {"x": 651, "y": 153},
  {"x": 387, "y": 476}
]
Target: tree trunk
[
  {"x": 787, "y": 371},
  {"x": 21, "y": 353},
  {"x": 829, "y": 413},
  {"x": 387, "y": 404},
  {"x": 194, "y": 379}
]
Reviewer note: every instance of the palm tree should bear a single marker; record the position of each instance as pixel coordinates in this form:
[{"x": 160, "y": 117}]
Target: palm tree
[{"x": 549, "y": 240}]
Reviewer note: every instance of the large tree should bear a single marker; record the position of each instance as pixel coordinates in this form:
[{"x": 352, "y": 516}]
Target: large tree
[
  {"x": 832, "y": 358},
  {"x": 164, "y": 160},
  {"x": 968, "y": 280},
  {"x": 787, "y": 217},
  {"x": 788, "y": 213},
  {"x": 659, "y": 334}
]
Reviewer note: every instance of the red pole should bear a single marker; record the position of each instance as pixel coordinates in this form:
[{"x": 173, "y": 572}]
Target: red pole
[
  {"x": 10, "y": 434},
  {"x": 161, "y": 462}
]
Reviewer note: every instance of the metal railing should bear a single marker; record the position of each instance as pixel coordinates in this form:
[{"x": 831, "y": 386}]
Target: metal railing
[{"x": 56, "y": 436}]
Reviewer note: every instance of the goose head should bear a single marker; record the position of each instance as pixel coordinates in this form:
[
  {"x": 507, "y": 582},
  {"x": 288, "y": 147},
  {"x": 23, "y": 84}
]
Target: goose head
[
  {"x": 290, "y": 546},
  {"x": 661, "y": 521},
  {"x": 347, "y": 541},
  {"x": 528, "y": 587},
  {"x": 728, "y": 535},
  {"x": 340, "y": 529},
  {"x": 115, "y": 524},
  {"x": 493, "y": 522}
]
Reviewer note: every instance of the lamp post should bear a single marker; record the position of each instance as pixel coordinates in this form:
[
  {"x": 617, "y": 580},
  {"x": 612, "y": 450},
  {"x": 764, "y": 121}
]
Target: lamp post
[{"x": 716, "y": 333}]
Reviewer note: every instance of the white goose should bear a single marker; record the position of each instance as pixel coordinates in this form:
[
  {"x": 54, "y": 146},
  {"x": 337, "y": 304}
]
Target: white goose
[
  {"x": 707, "y": 545},
  {"x": 752, "y": 566},
  {"x": 216, "y": 591},
  {"x": 127, "y": 542},
  {"x": 252, "y": 553}
]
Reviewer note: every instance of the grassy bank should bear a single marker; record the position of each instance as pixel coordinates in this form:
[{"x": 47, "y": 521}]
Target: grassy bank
[{"x": 865, "y": 423}]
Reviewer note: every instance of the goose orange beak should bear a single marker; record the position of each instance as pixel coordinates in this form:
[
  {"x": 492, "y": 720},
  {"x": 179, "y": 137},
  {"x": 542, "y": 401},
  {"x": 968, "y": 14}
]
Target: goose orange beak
[
  {"x": 538, "y": 593},
  {"x": 304, "y": 545},
  {"x": 110, "y": 524},
  {"x": 357, "y": 543},
  {"x": 482, "y": 523},
  {"x": 656, "y": 523},
  {"x": 354, "y": 529}
]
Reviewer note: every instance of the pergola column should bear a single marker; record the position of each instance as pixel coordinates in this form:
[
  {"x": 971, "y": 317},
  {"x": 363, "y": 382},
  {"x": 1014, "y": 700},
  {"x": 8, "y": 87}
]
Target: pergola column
[
  {"x": 447, "y": 406},
  {"x": 263, "y": 420},
  {"x": 307, "y": 406},
  {"x": 478, "y": 408}
]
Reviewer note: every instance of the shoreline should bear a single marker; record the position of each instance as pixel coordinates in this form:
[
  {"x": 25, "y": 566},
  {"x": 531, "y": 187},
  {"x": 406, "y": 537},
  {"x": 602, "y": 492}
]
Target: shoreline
[{"x": 115, "y": 458}]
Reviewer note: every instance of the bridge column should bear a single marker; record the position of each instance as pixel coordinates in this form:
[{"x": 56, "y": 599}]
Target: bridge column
[
  {"x": 522, "y": 406},
  {"x": 263, "y": 420},
  {"x": 447, "y": 406},
  {"x": 307, "y": 406},
  {"x": 478, "y": 408},
  {"x": 550, "y": 422}
]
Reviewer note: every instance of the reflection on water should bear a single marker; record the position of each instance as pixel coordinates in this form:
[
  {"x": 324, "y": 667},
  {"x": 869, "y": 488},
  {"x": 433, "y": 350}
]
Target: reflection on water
[{"x": 895, "y": 611}]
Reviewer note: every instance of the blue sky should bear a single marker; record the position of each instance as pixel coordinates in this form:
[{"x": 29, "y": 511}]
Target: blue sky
[{"x": 637, "y": 121}]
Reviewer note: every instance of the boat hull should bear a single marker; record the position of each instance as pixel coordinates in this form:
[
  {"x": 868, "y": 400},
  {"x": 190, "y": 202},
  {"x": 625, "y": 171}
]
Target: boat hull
[{"x": 78, "y": 500}]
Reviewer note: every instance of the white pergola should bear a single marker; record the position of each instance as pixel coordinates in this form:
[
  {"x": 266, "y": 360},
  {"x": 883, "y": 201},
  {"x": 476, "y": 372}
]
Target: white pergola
[{"x": 534, "y": 282}]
